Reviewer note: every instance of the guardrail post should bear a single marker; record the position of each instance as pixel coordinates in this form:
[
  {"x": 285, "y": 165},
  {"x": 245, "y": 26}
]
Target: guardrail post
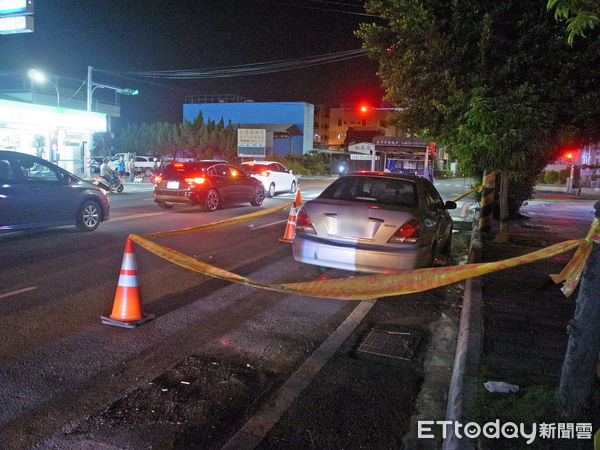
[{"x": 487, "y": 202}]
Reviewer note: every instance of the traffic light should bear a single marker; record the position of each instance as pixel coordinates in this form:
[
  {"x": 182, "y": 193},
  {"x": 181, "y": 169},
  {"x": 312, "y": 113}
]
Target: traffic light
[{"x": 569, "y": 156}]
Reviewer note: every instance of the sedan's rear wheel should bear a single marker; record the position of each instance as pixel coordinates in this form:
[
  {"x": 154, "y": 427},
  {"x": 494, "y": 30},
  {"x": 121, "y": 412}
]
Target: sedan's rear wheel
[
  {"x": 294, "y": 188},
  {"x": 88, "y": 216},
  {"x": 211, "y": 202},
  {"x": 271, "y": 192},
  {"x": 165, "y": 205}
]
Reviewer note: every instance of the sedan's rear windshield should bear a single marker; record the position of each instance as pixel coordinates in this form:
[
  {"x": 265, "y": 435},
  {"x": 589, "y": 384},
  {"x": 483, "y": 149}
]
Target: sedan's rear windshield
[{"x": 391, "y": 191}]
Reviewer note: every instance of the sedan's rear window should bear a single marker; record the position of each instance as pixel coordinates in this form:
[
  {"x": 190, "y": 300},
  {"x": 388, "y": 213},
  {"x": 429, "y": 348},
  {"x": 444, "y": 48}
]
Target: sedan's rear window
[{"x": 391, "y": 191}]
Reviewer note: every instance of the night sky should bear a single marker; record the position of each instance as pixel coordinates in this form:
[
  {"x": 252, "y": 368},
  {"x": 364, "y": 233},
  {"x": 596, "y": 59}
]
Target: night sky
[{"x": 165, "y": 35}]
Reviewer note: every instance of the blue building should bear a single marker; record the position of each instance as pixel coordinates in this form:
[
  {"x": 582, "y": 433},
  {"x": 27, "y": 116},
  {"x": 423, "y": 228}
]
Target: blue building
[{"x": 281, "y": 115}]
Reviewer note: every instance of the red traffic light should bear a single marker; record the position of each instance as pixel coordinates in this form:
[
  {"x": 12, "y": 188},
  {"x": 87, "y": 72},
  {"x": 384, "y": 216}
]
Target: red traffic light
[
  {"x": 569, "y": 156},
  {"x": 364, "y": 108}
]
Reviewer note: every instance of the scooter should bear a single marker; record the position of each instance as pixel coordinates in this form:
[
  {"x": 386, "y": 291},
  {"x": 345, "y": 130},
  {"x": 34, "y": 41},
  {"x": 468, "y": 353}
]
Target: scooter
[{"x": 109, "y": 183}]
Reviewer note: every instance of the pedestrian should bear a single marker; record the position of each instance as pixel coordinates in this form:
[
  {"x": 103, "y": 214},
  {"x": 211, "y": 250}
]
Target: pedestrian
[
  {"x": 131, "y": 170},
  {"x": 105, "y": 172},
  {"x": 121, "y": 166},
  {"x": 105, "y": 168}
]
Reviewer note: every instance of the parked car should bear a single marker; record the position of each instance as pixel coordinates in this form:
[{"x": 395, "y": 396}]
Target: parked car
[
  {"x": 36, "y": 193},
  {"x": 374, "y": 222},
  {"x": 145, "y": 165},
  {"x": 95, "y": 163},
  {"x": 206, "y": 183},
  {"x": 273, "y": 175}
]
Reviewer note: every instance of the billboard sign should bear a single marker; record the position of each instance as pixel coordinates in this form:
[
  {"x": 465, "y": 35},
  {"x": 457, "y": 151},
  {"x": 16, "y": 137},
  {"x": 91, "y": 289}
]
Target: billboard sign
[
  {"x": 16, "y": 7},
  {"x": 16, "y": 24},
  {"x": 366, "y": 148},
  {"x": 252, "y": 142}
]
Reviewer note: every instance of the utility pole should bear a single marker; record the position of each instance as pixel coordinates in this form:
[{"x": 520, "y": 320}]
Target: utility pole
[
  {"x": 89, "y": 89},
  {"x": 578, "y": 370}
]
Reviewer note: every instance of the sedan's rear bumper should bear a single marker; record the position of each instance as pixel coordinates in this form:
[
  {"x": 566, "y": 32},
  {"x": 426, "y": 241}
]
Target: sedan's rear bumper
[{"x": 358, "y": 257}]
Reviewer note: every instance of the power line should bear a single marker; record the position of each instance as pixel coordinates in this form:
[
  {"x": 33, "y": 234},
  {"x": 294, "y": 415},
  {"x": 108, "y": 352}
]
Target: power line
[{"x": 245, "y": 69}]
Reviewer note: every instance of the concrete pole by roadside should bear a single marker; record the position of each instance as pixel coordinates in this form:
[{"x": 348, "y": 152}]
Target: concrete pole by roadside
[{"x": 578, "y": 370}]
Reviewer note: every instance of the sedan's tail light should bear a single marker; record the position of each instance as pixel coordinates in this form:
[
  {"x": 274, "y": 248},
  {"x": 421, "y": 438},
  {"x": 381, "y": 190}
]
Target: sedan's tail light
[
  {"x": 157, "y": 179},
  {"x": 197, "y": 180},
  {"x": 266, "y": 173},
  {"x": 303, "y": 223},
  {"x": 408, "y": 233}
]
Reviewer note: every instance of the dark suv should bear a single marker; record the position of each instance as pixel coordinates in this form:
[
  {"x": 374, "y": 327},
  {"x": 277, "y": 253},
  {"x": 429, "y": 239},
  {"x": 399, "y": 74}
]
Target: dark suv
[{"x": 207, "y": 184}]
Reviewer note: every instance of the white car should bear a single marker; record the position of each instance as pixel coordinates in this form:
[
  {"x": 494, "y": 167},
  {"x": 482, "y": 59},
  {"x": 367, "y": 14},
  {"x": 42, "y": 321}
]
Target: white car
[{"x": 273, "y": 175}]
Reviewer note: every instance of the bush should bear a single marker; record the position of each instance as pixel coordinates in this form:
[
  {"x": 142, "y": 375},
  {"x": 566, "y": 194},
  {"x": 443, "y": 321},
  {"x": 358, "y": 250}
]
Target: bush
[
  {"x": 563, "y": 175},
  {"x": 550, "y": 176}
]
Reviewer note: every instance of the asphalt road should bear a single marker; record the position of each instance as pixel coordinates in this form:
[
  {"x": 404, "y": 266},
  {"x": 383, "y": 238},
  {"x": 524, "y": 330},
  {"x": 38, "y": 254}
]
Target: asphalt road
[{"x": 59, "y": 363}]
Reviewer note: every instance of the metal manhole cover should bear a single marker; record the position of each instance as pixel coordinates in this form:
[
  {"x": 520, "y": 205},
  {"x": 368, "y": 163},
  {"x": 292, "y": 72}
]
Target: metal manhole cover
[{"x": 392, "y": 344}]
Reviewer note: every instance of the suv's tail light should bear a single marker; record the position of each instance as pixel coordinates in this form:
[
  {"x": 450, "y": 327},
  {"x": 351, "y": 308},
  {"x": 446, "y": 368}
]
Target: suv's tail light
[
  {"x": 303, "y": 223},
  {"x": 266, "y": 173},
  {"x": 408, "y": 233},
  {"x": 197, "y": 180}
]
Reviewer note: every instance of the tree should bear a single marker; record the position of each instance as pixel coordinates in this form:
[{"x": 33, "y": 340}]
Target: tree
[
  {"x": 494, "y": 82},
  {"x": 163, "y": 138},
  {"x": 580, "y": 14}
]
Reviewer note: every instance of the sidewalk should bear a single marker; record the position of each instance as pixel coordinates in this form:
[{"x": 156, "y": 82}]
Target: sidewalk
[{"x": 525, "y": 318}]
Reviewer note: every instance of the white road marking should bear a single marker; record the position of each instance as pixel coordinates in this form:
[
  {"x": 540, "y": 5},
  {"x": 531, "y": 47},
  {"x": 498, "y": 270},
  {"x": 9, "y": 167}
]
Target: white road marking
[
  {"x": 20, "y": 291},
  {"x": 269, "y": 224}
]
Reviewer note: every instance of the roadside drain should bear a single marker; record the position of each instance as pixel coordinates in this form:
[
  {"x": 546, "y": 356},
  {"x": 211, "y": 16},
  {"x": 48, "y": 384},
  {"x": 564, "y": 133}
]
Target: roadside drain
[{"x": 391, "y": 344}]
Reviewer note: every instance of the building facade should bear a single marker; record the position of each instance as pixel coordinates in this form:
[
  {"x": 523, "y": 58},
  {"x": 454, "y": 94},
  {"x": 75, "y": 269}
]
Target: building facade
[
  {"x": 235, "y": 110},
  {"x": 349, "y": 118}
]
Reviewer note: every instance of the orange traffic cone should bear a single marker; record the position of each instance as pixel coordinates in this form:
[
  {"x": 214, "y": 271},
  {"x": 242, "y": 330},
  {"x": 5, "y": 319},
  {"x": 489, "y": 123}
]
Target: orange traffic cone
[
  {"x": 290, "y": 228},
  {"x": 298, "y": 201},
  {"x": 127, "y": 307}
]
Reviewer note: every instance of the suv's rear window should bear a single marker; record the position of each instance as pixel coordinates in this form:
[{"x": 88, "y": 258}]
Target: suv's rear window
[
  {"x": 390, "y": 191},
  {"x": 185, "y": 169},
  {"x": 255, "y": 168}
]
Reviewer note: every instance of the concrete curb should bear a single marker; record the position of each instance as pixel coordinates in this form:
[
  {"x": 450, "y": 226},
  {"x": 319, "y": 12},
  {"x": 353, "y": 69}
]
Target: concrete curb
[{"x": 463, "y": 385}]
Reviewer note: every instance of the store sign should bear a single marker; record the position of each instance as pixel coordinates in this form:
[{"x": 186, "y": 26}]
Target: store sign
[
  {"x": 366, "y": 148},
  {"x": 252, "y": 142},
  {"x": 17, "y": 114}
]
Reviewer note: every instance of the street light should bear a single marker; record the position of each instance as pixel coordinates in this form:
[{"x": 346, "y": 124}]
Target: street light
[{"x": 38, "y": 76}]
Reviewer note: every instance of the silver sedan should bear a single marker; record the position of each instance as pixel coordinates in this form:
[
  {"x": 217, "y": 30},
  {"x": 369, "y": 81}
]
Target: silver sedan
[{"x": 374, "y": 222}]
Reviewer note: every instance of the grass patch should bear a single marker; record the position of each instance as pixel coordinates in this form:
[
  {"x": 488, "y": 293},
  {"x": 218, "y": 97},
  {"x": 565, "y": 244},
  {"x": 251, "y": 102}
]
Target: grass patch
[{"x": 534, "y": 404}]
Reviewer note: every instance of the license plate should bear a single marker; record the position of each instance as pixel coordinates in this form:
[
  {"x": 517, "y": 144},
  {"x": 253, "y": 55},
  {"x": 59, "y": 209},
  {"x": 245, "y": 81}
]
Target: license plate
[
  {"x": 352, "y": 228},
  {"x": 173, "y": 185}
]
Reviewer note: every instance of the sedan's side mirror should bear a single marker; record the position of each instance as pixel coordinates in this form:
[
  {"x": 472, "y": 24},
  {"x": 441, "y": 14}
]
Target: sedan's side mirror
[{"x": 450, "y": 204}]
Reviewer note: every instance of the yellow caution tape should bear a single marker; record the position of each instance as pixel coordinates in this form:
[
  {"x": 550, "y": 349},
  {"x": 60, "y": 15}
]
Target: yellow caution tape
[
  {"x": 220, "y": 224},
  {"x": 571, "y": 273},
  {"x": 478, "y": 188},
  {"x": 367, "y": 287},
  {"x": 362, "y": 287}
]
